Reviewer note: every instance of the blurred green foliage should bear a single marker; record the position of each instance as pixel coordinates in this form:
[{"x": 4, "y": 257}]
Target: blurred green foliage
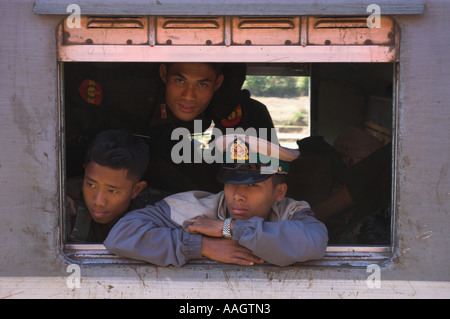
[{"x": 277, "y": 86}]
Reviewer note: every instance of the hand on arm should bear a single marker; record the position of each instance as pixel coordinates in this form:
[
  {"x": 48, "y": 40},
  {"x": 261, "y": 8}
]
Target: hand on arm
[
  {"x": 207, "y": 226},
  {"x": 220, "y": 249},
  {"x": 284, "y": 242},
  {"x": 228, "y": 251}
]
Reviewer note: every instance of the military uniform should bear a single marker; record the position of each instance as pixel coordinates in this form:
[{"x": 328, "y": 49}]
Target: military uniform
[
  {"x": 101, "y": 96},
  {"x": 243, "y": 112},
  {"x": 130, "y": 96},
  {"x": 233, "y": 107}
]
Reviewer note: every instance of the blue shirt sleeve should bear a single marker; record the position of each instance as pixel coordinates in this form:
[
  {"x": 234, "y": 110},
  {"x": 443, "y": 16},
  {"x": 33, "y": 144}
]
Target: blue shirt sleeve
[
  {"x": 284, "y": 242},
  {"x": 150, "y": 235}
]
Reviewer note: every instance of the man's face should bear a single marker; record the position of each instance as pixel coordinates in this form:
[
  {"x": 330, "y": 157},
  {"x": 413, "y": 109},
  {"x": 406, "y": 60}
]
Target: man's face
[
  {"x": 189, "y": 88},
  {"x": 108, "y": 192},
  {"x": 250, "y": 200}
]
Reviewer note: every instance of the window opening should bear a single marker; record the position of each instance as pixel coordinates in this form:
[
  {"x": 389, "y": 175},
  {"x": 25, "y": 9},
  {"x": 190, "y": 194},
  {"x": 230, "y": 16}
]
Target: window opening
[
  {"x": 284, "y": 90},
  {"x": 338, "y": 95},
  {"x": 287, "y": 99}
]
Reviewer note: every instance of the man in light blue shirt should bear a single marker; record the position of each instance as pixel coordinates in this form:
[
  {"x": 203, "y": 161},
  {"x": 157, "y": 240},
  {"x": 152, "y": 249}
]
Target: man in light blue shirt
[{"x": 249, "y": 222}]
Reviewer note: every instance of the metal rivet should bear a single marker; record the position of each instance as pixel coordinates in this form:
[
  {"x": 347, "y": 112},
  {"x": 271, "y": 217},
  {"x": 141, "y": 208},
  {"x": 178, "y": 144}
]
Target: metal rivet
[
  {"x": 248, "y": 42},
  {"x": 327, "y": 42},
  {"x": 169, "y": 41}
]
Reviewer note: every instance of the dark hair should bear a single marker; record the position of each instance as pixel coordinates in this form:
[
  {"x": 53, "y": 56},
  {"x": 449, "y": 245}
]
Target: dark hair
[
  {"x": 234, "y": 71},
  {"x": 217, "y": 67},
  {"x": 119, "y": 149},
  {"x": 278, "y": 179}
]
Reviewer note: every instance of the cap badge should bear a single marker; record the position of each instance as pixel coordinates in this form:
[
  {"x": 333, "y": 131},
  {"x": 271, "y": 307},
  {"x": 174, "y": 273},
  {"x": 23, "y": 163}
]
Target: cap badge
[{"x": 239, "y": 150}]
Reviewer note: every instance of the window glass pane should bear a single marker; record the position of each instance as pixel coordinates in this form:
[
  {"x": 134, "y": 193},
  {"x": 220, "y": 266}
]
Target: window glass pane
[{"x": 287, "y": 99}]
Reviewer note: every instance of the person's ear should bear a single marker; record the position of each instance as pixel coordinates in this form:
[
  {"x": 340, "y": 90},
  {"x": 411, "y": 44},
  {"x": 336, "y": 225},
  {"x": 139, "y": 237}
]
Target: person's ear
[
  {"x": 138, "y": 187},
  {"x": 219, "y": 82},
  {"x": 280, "y": 192},
  {"x": 163, "y": 72}
]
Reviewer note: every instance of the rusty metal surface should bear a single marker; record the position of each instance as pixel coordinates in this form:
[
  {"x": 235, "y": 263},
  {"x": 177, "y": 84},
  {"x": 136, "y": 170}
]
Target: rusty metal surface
[
  {"x": 227, "y": 39},
  {"x": 265, "y": 30},
  {"x": 349, "y": 31},
  {"x": 190, "y": 30},
  {"x": 107, "y": 30}
]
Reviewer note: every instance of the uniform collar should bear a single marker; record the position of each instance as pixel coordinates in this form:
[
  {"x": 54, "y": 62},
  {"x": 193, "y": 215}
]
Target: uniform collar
[{"x": 162, "y": 114}]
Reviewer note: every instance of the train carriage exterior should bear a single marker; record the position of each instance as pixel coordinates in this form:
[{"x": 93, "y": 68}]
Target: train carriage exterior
[{"x": 36, "y": 262}]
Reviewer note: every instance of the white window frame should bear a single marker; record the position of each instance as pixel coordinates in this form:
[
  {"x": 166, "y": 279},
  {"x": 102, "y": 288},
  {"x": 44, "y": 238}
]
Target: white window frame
[{"x": 227, "y": 52}]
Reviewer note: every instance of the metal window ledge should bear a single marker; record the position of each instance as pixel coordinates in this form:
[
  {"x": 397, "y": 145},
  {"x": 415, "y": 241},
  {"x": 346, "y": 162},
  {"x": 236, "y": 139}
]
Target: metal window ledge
[
  {"x": 230, "y": 7},
  {"x": 356, "y": 256}
]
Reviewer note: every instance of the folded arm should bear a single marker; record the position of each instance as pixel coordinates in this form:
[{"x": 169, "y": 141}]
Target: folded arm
[
  {"x": 149, "y": 234},
  {"x": 284, "y": 242}
]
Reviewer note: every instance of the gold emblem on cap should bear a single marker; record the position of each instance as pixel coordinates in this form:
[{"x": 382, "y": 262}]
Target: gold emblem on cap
[{"x": 239, "y": 150}]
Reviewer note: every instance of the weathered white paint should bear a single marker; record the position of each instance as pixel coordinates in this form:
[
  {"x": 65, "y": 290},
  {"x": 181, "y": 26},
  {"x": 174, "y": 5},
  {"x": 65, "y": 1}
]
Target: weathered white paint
[
  {"x": 223, "y": 285},
  {"x": 31, "y": 263}
]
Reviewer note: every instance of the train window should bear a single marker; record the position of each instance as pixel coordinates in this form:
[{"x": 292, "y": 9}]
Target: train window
[
  {"x": 283, "y": 89},
  {"x": 334, "y": 101}
]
